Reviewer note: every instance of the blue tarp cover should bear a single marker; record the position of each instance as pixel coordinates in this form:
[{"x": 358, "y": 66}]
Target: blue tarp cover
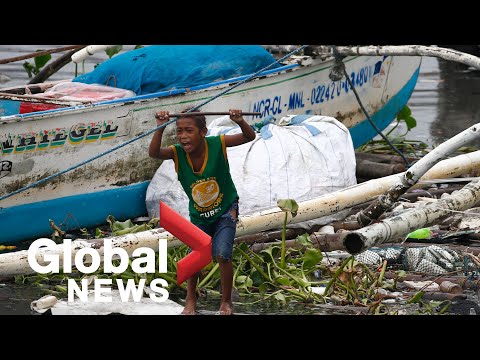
[{"x": 164, "y": 67}]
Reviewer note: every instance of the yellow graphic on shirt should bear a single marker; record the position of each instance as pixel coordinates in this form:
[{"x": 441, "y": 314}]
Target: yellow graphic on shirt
[{"x": 205, "y": 193}]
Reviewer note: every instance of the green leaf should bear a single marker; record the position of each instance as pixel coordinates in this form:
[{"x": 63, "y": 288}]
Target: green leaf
[
  {"x": 415, "y": 298},
  {"x": 404, "y": 113},
  {"x": 245, "y": 280},
  {"x": 304, "y": 239},
  {"x": 282, "y": 280},
  {"x": 243, "y": 246},
  {"x": 270, "y": 254},
  {"x": 138, "y": 47},
  {"x": 154, "y": 222},
  {"x": 98, "y": 234},
  {"x": 424, "y": 233},
  {"x": 122, "y": 225},
  {"x": 435, "y": 303},
  {"x": 40, "y": 61},
  {"x": 128, "y": 230},
  {"x": 114, "y": 50},
  {"x": 311, "y": 258},
  {"x": 411, "y": 122},
  {"x": 294, "y": 261},
  {"x": 280, "y": 297},
  {"x": 257, "y": 278},
  {"x": 288, "y": 205},
  {"x": 263, "y": 288},
  {"x": 29, "y": 68},
  {"x": 61, "y": 289},
  {"x": 445, "y": 307}
]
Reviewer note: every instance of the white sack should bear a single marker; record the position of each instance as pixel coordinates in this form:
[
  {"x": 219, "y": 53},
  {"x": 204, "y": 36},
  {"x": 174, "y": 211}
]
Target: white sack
[{"x": 300, "y": 158}]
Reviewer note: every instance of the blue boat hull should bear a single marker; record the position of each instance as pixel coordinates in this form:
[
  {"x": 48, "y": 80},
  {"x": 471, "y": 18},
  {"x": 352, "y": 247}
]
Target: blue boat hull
[{"x": 364, "y": 131}]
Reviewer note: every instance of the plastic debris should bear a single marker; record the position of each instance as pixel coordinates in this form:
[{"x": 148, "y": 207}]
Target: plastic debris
[{"x": 43, "y": 304}]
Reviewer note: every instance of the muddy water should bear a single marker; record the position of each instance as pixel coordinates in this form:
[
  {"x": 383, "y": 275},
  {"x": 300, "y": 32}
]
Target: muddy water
[
  {"x": 446, "y": 100},
  {"x": 15, "y": 299}
]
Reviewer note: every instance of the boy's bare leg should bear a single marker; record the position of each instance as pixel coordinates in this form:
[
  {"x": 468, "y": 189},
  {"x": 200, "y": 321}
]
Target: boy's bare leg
[
  {"x": 191, "y": 300},
  {"x": 226, "y": 278}
]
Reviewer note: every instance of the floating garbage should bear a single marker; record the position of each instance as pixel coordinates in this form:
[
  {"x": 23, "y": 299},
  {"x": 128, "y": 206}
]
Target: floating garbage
[
  {"x": 433, "y": 260},
  {"x": 43, "y": 304},
  {"x": 145, "y": 306},
  {"x": 450, "y": 287}
]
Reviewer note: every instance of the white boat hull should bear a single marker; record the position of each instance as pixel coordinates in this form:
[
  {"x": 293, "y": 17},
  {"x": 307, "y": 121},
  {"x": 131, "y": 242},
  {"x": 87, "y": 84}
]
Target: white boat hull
[{"x": 37, "y": 145}]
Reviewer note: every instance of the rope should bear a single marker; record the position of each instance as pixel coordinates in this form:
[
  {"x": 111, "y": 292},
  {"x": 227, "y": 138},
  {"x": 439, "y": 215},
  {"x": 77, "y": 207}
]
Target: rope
[
  {"x": 150, "y": 131},
  {"x": 338, "y": 59}
]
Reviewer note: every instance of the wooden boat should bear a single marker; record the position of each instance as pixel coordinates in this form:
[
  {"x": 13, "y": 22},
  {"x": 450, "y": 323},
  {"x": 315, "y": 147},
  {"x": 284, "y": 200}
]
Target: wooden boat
[{"x": 36, "y": 145}]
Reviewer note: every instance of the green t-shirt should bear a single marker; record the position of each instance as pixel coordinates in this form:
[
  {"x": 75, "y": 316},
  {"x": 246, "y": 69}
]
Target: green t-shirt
[{"x": 211, "y": 191}]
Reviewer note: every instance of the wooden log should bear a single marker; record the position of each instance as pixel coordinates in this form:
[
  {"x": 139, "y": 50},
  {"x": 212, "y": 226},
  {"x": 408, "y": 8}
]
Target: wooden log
[
  {"x": 381, "y": 158},
  {"x": 463, "y": 281},
  {"x": 367, "y": 169},
  {"x": 345, "y": 225},
  {"x": 323, "y": 242},
  {"x": 431, "y": 193},
  {"x": 257, "y": 247},
  {"x": 439, "y": 296},
  {"x": 327, "y": 242},
  {"x": 411, "y": 195},
  {"x": 264, "y": 237}
]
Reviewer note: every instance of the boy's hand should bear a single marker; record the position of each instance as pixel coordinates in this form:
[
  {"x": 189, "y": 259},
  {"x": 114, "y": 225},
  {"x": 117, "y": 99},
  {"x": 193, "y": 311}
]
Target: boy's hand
[
  {"x": 161, "y": 117},
  {"x": 236, "y": 115}
]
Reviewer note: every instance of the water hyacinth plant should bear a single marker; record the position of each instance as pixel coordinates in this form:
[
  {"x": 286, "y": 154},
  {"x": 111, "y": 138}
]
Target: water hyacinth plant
[
  {"x": 298, "y": 274},
  {"x": 288, "y": 206}
]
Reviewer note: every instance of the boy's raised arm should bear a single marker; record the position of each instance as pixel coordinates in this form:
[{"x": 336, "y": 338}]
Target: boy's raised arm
[
  {"x": 247, "y": 132},
  {"x": 155, "y": 149}
]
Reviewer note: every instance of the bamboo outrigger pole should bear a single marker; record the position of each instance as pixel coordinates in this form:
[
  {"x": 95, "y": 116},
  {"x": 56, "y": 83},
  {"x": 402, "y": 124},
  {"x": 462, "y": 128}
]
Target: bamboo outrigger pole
[
  {"x": 402, "y": 50},
  {"x": 39, "y": 53},
  {"x": 208, "y": 113},
  {"x": 414, "y": 173},
  {"x": 358, "y": 241}
]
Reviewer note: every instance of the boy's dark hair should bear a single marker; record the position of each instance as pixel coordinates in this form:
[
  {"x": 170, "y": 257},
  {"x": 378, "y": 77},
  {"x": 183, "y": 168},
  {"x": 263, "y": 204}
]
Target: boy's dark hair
[{"x": 200, "y": 120}]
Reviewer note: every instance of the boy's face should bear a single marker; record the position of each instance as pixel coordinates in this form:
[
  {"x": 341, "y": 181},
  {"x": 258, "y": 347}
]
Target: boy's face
[{"x": 189, "y": 135}]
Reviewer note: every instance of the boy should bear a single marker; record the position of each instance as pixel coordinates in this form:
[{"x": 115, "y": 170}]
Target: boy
[{"x": 202, "y": 167}]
